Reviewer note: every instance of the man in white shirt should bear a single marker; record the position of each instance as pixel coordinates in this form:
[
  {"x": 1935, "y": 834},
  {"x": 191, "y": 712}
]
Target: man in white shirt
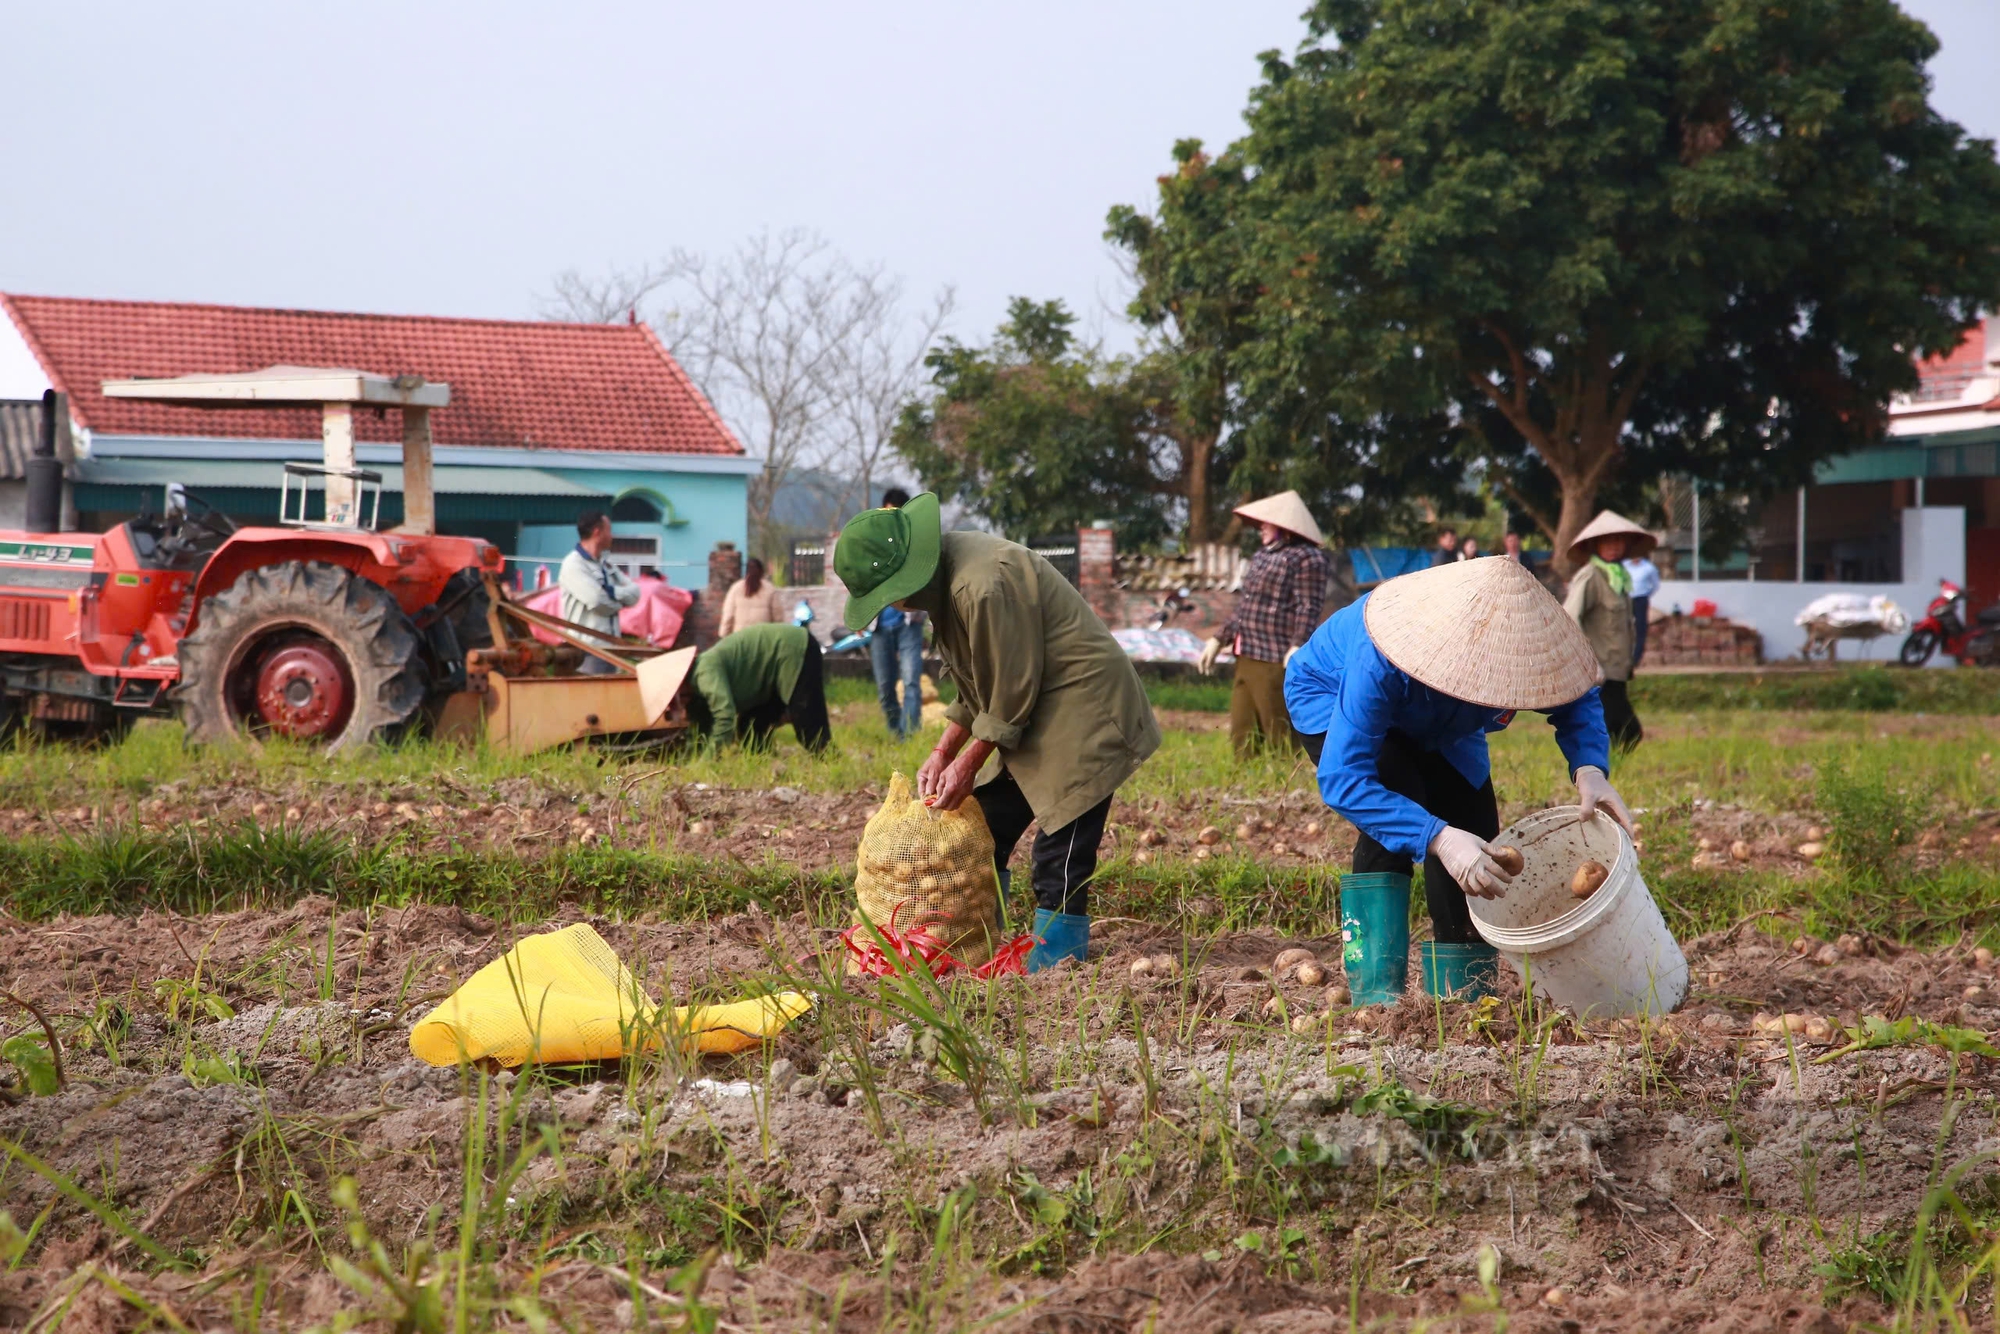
[
  {"x": 594, "y": 591},
  {"x": 1645, "y": 583}
]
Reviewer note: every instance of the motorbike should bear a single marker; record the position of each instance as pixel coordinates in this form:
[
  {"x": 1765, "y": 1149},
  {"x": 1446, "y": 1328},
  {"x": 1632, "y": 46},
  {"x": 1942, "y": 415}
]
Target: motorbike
[
  {"x": 1945, "y": 625},
  {"x": 802, "y": 614},
  {"x": 1175, "y": 603}
]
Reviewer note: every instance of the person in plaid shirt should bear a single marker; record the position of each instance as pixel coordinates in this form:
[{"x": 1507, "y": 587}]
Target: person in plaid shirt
[{"x": 1281, "y": 603}]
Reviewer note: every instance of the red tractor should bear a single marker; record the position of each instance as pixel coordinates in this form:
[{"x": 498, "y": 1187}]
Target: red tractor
[{"x": 320, "y": 629}]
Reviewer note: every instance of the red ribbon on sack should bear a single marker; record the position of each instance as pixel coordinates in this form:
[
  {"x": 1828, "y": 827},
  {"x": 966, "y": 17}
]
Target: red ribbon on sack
[{"x": 919, "y": 945}]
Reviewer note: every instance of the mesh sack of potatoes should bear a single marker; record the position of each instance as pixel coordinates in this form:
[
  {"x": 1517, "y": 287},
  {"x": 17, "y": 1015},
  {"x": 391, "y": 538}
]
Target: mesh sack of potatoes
[{"x": 934, "y": 869}]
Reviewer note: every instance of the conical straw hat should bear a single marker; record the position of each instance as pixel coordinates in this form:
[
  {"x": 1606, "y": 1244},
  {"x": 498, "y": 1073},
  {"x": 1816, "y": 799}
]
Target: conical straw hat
[
  {"x": 1605, "y": 525},
  {"x": 1287, "y": 511},
  {"x": 1484, "y": 631}
]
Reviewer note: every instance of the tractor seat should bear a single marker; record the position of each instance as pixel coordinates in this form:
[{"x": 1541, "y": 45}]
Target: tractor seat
[{"x": 1991, "y": 616}]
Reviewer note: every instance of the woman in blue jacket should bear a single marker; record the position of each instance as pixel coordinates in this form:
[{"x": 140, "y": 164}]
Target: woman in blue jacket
[{"x": 1393, "y": 697}]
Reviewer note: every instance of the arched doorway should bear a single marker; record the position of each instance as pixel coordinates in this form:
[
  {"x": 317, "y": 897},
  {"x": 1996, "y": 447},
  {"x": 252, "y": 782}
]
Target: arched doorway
[{"x": 637, "y": 517}]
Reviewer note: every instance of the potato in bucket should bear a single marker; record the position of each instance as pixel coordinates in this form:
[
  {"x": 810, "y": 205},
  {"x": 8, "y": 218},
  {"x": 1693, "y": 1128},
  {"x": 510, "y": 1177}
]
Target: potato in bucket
[{"x": 923, "y": 867}]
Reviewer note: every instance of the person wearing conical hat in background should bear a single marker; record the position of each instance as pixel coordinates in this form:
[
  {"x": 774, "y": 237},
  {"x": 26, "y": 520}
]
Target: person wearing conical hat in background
[
  {"x": 1282, "y": 599},
  {"x": 1394, "y": 697},
  {"x": 1042, "y": 686},
  {"x": 1600, "y": 600}
]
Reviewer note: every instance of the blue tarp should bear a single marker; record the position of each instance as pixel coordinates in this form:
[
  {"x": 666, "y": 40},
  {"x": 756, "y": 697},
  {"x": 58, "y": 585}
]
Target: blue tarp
[{"x": 1372, "y": 565}]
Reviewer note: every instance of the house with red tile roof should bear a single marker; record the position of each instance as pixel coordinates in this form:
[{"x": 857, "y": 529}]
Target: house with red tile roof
[{"x": 546, "y": 420}]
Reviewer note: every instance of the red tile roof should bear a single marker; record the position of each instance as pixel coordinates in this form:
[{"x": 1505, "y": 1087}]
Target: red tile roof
[
  {"x": 1946, "y": 377},
  {"x": 513, "y": 383}
]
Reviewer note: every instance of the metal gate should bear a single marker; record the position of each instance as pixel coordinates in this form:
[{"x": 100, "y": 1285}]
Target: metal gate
[
  {"x": 1059, "y": 551},
  {"x": 808, "y": 564}
]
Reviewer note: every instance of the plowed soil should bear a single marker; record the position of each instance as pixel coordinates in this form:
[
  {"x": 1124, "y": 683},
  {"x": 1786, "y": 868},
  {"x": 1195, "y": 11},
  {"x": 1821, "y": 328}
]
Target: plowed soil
[
  {"x": 1694, "y": 1174},
  {"x": 817, "y": 831}
]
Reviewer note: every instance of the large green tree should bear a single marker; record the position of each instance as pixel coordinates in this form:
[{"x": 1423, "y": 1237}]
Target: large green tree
[
  {"x": 1195, "y": 292},
  {"x": 1586, "y": 240},
  {"x": 1038, "y": 433}
]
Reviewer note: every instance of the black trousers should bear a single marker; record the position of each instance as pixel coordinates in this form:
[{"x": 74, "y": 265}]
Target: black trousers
[
  {"x": 1065, "y": 859},
  {"x": 1427, "y": 778},
  {"x": 1641, "y": 622},
  {"x": 806, "y": 709},
  {"x": 1619, "y": 720}
]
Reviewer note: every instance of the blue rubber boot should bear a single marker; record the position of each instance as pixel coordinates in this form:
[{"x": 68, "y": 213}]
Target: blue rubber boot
[
  {"x": 1375, "y": 935},
  {"x": 1000, "y": 909},
  {"x": 1058, "y": 936},
  {"x": 1462, "y": 971}
]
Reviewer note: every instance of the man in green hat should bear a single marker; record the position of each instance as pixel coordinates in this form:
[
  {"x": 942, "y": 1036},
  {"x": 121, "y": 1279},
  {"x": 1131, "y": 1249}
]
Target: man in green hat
[{"x": 1041, "y": 684}]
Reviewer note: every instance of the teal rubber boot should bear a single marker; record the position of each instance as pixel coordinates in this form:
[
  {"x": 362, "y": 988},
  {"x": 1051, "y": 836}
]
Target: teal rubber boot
[
  {"x": 1375, "y": 935},
  {"x": 1462, "y": 971},
  {"x": 1006, "y": 877},
  {"x": 1058, "y": 936}
]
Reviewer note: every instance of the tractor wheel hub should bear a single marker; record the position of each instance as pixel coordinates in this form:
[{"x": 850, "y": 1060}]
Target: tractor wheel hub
[{"x": 303, "y": 691}]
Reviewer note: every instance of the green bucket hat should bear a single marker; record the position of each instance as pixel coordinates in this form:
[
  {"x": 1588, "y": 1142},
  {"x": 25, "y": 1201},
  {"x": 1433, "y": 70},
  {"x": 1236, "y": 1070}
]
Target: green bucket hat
[{"x": 886, "y": 555}]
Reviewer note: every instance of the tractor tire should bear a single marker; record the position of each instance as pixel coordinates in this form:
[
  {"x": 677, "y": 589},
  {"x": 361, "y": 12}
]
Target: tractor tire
[{"x": 301, "y": 649}]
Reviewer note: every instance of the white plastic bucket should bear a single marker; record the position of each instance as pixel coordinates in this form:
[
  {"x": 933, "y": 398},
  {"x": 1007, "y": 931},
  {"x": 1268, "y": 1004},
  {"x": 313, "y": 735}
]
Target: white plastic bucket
[{"x": 1610, "y": 954}]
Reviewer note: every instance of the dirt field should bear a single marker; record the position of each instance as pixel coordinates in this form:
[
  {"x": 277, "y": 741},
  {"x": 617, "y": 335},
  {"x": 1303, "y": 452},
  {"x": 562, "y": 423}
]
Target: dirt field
[
  {"x": 817, "y": 830},
  {"x": 1692, "y": 1174},
  {"x": 243, "y": 1140}
]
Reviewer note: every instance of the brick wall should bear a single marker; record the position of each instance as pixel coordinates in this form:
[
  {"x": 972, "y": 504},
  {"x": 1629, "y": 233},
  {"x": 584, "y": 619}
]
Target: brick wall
[
  {"x": 1702, "y": 641},
  {"x": 725, "y": 567},
  {"x": 1210, "y": 609},
  {"x": 1097, "y": 570}
]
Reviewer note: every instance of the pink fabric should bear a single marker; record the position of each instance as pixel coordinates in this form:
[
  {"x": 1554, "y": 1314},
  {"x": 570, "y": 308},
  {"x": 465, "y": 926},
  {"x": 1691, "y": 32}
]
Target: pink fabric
[{"x": 656, "y": 617}]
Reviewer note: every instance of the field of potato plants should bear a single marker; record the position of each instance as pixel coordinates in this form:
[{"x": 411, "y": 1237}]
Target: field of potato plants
[{"x": 212, "y": 1119}]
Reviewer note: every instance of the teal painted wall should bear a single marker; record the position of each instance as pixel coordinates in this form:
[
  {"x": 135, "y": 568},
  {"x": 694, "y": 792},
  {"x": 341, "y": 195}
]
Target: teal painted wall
[{"x": 711, "y": 508}]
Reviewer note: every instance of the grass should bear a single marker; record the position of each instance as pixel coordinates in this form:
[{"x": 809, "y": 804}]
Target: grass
[
  {"x": 1259, "y": 1194},
  {"x": 1937, "y": 772},
  {"x": 1763, "y": 758},
  {"x": 1191, "y": 1167},
  {"x": 126, "y": 871},
  {"x": 1868, "y": 688},
  {"x": 48, "y": 777},
  {"x": 1190, "y": 693}
]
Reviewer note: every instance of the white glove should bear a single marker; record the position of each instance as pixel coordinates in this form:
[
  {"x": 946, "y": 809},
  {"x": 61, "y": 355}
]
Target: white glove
[
  {"x": 1290, "y": 653},
  {"x": 1470, "y": 861},
  {"x": 1594, "y": 793},
  {"x": 1209, "y": 652}
]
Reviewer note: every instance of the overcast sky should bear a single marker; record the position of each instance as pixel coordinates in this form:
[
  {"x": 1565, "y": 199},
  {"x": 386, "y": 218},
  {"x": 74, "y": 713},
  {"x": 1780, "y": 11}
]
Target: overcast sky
[{"x": 450, "y": 158}]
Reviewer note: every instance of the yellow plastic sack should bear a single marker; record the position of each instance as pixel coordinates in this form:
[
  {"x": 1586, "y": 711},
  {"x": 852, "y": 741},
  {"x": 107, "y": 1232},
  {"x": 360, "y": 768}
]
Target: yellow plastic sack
[
  {"x": 928, "y": 868},
  {"x": 564, "y": 996}
]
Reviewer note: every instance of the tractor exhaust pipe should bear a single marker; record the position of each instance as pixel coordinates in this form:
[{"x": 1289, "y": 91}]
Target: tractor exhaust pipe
[{"x": 45, "y": 472}]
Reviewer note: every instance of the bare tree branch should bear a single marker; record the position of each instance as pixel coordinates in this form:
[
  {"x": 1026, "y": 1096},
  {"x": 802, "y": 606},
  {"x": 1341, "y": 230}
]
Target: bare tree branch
[
  {"x": 873, "y": 375},
  {"x": 807, "y": 356},
  {"x": 616, "y": 296},
  {"x": 761, "y": 331}
]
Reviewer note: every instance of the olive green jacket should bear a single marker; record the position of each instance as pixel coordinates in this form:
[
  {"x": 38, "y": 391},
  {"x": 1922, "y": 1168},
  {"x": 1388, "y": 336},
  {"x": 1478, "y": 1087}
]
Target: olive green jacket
[
  {"x": 757, "y": 664},
  {"x": 1038, "y": 675},
  {"x": 1606, "y": 620}
]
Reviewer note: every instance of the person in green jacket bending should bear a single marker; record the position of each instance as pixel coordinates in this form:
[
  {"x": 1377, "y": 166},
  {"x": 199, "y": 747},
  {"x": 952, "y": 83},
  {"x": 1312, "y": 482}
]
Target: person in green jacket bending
[
  {"x": 753, "y": 680},
  {"x": 1041, "y": 683}
]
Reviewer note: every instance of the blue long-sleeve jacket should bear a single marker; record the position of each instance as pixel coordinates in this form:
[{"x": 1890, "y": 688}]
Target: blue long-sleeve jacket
[{"x": 1340, "y": 684}]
